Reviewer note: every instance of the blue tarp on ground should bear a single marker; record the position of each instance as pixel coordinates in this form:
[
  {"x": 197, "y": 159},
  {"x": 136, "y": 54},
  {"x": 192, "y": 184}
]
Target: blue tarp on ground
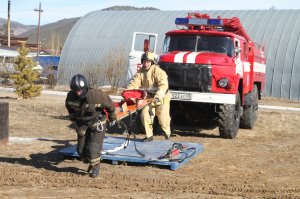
[{"x": 152, "y": 151}]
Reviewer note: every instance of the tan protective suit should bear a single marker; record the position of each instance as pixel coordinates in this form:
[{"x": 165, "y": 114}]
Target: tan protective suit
[{"x": 155, "y": 81}]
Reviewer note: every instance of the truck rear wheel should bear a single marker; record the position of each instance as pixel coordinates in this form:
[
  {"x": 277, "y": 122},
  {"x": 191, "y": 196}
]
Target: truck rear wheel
[
  {"x": 229, "y": 119},
  {"x": 250, "y": 110}
]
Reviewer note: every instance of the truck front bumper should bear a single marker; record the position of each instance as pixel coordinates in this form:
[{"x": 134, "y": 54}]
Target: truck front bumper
[{"x": 214, "y": 98}]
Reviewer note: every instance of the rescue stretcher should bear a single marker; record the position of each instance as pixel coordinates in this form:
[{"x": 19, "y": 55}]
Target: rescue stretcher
[{"x": 123, "y": 109}]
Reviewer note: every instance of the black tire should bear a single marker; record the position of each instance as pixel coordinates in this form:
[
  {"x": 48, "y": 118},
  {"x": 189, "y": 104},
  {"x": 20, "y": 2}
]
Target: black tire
[
  {"x": 229, "y": 119},
  {"x": 177, "y": 112},
  {"x": 250, "y": 109}
]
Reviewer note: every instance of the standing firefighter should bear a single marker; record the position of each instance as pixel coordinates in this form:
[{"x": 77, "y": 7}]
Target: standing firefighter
[
  {"x": 152, "y": 78},
  {"x": 86, "y": 108}
]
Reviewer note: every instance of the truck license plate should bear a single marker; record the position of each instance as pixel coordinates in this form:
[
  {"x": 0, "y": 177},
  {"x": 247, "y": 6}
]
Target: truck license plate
[{"x": 182, "y": 96}]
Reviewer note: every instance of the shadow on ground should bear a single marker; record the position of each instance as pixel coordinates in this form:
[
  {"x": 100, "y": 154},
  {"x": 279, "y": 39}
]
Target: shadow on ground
[{"x": 48, "y": 161}]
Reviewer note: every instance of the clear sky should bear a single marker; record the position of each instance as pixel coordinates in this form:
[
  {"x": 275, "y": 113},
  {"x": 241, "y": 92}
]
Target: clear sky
[{"x": 23, "y": 12}]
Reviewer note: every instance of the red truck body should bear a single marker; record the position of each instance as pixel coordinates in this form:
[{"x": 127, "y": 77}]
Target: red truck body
[{"x": 216, "y": 72}]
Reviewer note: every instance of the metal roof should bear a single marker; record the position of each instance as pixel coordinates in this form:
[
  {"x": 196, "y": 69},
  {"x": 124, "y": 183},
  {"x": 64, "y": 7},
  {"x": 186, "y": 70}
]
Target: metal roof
[{"x": 98, "y": 33}]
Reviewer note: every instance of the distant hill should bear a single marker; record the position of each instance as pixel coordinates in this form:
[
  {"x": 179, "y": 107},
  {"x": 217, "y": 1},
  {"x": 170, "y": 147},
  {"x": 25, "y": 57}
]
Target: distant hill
[
  {"x": 52, "y": 35},
  {"x": 17, "y": 28}
]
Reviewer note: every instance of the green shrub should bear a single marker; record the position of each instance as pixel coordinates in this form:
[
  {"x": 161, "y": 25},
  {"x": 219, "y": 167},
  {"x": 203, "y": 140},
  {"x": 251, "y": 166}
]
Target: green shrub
[{"x": 24, "y": 76}]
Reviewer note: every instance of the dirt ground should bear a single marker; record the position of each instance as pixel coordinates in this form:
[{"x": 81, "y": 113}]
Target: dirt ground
[{"x": 260, "y": 163}]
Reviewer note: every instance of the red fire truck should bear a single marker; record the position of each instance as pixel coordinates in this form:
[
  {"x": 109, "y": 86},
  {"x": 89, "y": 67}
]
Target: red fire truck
[{"x": 216, "y": 73}]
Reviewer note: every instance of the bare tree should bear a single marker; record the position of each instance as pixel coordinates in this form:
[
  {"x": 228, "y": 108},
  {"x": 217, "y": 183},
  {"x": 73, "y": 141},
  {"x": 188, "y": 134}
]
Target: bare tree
[
  {"x": 111, "y": 70},
  {"x": 52, "y": 43},
  {"x": 58, "y": 47},
  {"x": 55, "y": 46},
  {"x": 115, "y": 67},
  {"x": 93, "y": 74}
]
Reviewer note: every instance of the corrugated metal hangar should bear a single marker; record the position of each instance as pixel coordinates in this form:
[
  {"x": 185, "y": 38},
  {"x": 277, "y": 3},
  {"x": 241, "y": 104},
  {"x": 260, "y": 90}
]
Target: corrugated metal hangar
[{"x": 99, "y": 33}]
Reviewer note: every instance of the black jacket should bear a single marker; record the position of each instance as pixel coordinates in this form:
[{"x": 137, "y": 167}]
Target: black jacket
[{"x": 88, "y": 108}]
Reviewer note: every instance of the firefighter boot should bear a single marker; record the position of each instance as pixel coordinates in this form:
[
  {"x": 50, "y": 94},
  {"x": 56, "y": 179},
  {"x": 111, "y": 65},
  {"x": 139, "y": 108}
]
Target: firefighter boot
[
  {"x": 94, "y": 170},
  {"x": 149, "y": 139},
  {"x": 167, "y": 136}
]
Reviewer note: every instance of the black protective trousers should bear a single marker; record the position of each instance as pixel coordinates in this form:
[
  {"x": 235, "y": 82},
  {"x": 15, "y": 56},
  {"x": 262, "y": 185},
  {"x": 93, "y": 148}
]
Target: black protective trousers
[{"x": 90, "y": 144}]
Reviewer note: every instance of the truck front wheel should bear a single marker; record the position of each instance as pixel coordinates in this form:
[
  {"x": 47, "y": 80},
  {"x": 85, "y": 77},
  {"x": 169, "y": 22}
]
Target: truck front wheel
[
  {"x": 250, "y": 109},
  {"x": 229, "y": 119}
]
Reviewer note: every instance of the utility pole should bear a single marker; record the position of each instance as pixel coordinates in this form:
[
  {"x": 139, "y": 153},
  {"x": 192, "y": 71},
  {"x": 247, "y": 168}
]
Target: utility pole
[
  {"x": 8, "y": 24},
  {"x": 38, "y": 36}
]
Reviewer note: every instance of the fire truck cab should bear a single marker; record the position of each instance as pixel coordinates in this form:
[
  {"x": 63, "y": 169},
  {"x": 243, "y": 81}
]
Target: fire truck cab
[{"x": 216, "y": 73}]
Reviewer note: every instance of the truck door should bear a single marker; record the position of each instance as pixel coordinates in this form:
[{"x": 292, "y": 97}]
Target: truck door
[{"x": 141, "y": 42}]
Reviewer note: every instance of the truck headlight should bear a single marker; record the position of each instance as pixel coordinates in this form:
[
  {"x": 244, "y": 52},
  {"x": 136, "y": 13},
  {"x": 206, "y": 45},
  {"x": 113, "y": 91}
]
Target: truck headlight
[{"x": 223, "y": 82}]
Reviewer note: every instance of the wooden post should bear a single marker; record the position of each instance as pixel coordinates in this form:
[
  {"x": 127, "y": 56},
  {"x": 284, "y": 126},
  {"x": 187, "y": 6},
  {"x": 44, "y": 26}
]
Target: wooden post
[
  {"x": 39, "y": 27},
  {"x": 8, "y": 24},
  {"x": 4, "y": 122}
]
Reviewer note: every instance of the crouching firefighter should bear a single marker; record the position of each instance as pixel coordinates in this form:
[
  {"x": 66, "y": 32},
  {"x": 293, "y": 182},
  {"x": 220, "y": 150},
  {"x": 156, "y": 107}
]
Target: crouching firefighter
[
  {"x": 87, "y": 107},
  {"x": 155, "y": 81}
]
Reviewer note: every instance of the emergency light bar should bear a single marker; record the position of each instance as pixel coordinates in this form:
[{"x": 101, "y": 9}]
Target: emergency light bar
[{"x": 198, "y": 22}]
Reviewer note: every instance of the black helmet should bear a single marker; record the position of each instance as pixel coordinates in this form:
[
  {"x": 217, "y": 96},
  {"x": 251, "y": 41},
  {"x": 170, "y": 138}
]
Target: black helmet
[
  {"x": 78, "y": 82},
  {"x": 148, "y": 56}
]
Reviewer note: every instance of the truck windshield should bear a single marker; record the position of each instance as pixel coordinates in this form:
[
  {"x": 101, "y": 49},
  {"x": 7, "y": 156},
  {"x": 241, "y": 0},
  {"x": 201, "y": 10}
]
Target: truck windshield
[{"x": 199, "y": 43}]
